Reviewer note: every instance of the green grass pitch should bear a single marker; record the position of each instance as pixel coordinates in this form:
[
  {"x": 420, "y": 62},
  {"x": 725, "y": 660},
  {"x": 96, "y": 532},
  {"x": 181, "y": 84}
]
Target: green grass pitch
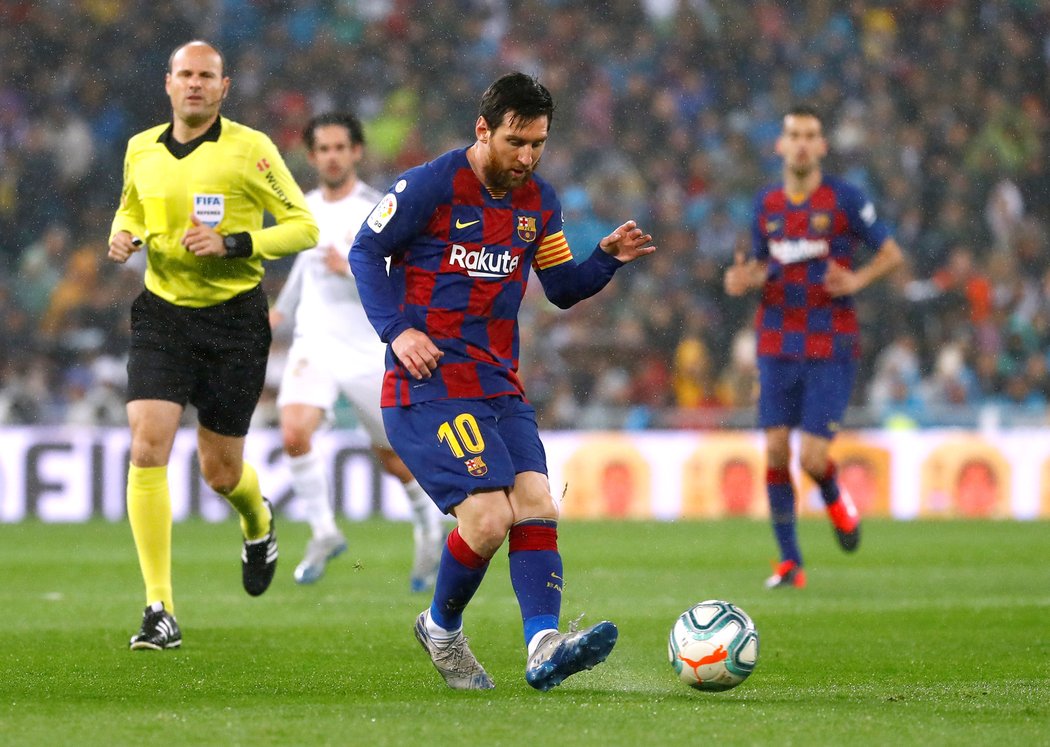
[{"x": 933, "y": 633}]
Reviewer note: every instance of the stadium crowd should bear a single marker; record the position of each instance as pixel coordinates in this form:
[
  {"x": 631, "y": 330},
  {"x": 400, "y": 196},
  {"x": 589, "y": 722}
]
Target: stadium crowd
[{"x": 667, "y": 111}]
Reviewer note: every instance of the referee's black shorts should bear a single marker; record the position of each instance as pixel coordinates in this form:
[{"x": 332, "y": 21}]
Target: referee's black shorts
[{"x": 213, "y": 357}]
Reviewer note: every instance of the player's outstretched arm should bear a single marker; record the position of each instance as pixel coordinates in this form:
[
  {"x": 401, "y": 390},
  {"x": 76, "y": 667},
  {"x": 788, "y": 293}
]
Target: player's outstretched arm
[{"x": 627, "y": 243}]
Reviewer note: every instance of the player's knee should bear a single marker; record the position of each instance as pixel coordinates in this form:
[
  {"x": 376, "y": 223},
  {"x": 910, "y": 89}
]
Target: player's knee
[
  {"x": 296, "y": 440},
  {"x": 536, "y": 507},
  {"x": 149, "y": 452},
  {"x": 814, "y": 465},
  {"x": 393, "y": 464},
  {"x": 487, "y": 531},
  {"x": 222, "y": 487},
  {"x": 143, "y": 456},
  {"x": 778, "y": 456},
  {"x": 222, "y": 478}
]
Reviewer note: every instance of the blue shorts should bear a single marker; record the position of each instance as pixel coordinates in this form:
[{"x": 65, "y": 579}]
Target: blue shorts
[
  {"x": 807, "y": 394},
  {"x": 455, "y": 447}
]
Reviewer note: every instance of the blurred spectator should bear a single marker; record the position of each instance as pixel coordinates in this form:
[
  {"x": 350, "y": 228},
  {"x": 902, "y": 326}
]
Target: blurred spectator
[
  {"x": 40, "y": 269},
  {"x": 717, "y": 236},
  {"x": 953, "y": 384},
  {"x": 1003, "y": 211},
  {"x": 963, "y": 286},
  {"x": 738, "y": 383},
  {"x": 695, "y": 379},
  {"x": 74, "y": 290}
]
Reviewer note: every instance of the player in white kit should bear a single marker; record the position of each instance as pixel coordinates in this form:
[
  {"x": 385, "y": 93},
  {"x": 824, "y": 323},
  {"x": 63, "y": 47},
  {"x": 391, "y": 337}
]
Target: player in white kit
[{"x": 335, "y": 351}]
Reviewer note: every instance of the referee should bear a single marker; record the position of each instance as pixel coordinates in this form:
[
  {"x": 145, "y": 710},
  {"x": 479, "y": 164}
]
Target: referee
[{"x": 195, "y": 191}]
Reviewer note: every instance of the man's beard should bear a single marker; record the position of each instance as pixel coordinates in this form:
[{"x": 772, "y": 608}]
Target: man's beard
[
  {"x": 335, "y": 182},
  {"x": 501, "y": 179},
  {"x": 801, "y": 171}
]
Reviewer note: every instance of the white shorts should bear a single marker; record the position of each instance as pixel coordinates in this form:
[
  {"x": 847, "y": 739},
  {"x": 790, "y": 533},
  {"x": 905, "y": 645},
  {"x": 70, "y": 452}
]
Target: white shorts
[{"x": 317, "y": 372}]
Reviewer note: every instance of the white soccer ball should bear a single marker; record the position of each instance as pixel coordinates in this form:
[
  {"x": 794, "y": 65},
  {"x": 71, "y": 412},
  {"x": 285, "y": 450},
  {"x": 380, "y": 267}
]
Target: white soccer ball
[{"x": 713, "y": 646}]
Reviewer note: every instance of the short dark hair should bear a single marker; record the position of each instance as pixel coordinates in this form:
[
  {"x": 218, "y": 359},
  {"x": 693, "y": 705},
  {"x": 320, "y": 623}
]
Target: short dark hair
[
  {"x": 522, "y": 95},
  {"x": 343, "y": 119},
  {"x": 805, "y": 110},
  {"x": 222, "y": 57}
]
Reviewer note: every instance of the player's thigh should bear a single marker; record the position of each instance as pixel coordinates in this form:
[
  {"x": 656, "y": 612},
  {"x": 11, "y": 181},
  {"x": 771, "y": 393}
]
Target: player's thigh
[
  {"x": 309, "y": 378},
  {"x": 453, "y": 447},
  {"x": 780, "y": 392},
  {"x": 519, "y": 431},
  {"x": 828, "y": 385}
]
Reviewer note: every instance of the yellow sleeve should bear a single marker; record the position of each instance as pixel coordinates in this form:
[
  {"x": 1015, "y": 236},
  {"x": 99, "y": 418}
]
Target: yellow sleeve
[
  {"x": 272, "y": 183},
  {"x": 130, "y": 216}
]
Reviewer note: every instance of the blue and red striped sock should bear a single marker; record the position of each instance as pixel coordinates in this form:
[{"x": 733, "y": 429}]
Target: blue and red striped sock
[
  {"x": 536, "y": 574},
  {"x": 782, "y": 512},
  {"x": 459, "y": 576}
]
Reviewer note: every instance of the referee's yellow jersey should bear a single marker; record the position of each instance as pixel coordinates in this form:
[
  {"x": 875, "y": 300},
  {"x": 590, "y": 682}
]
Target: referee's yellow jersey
[{"x": 228, "y": 178}]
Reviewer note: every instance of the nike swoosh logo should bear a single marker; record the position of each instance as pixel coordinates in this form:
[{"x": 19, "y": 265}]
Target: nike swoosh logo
[{"x": 461, "y": 224}]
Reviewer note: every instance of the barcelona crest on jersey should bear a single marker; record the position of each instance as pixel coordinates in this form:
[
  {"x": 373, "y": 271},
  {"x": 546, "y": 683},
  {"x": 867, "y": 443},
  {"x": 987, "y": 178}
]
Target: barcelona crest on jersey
[
  {"x": 526, "y": 228},
  {"x": 820, "y": 222}
]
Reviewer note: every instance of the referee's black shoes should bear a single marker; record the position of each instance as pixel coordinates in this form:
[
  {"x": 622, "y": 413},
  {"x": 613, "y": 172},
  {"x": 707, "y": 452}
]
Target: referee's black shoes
[
  {"x": 159, "y": 630},
  {"x": 259, "y": 558}
]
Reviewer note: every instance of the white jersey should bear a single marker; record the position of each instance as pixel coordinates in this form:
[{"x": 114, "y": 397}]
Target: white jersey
[
  {"x": 335, "y": 349},
  {"x": 325, "y": 304}
]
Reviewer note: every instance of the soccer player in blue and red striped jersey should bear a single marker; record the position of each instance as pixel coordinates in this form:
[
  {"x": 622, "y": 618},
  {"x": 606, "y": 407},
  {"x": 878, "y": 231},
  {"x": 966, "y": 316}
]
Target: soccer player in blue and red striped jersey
[
  {"x": 805, "y": 236},
  {"x": 462, "y": 234}
]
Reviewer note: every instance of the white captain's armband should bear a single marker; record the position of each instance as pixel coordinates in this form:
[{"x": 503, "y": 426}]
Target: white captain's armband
[{"x": 789, "y": 251}]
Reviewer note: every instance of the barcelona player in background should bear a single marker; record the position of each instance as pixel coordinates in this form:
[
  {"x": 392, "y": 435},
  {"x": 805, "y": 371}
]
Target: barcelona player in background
[
  {"x": 463, "y": 233},
  {"x": 805, "y": 236}
]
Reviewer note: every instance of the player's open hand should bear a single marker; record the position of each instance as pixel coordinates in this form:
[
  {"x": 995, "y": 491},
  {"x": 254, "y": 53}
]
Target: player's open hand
[
  {"x": 840, "y": 281},
  {"x": 417, "y": 353},
  {"x": 740, "y": 276},
  {"x": 336, "y": 261},
  {"x": 627, "y": 243},
  {"x": 203, "y": 240},
  {"x": 122, "y": 246}
]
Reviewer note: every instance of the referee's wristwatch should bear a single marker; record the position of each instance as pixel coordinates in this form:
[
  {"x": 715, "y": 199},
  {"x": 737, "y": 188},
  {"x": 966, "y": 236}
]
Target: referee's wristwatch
[{"x": 238, "y": 245}]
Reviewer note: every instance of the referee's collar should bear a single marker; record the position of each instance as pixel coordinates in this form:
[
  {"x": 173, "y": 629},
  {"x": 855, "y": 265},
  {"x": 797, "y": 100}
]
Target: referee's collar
[{"x": 181, "y": 150}]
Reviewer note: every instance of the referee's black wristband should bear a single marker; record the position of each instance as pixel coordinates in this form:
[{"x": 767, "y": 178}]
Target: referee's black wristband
[{"x": 238, "y": 245}]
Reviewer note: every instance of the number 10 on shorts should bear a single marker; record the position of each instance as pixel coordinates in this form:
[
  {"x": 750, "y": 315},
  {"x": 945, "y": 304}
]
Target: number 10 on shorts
[{"x": 462, "y": 435}]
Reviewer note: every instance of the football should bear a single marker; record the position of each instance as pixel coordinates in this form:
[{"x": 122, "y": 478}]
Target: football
[{"x": 713, "y": 646}]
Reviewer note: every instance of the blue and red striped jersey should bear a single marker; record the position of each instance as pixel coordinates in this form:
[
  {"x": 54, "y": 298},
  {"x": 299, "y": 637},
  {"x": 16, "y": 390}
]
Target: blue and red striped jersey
[
  {"x": 460, "y": 258},
  {"x": 796, "y": 317}
]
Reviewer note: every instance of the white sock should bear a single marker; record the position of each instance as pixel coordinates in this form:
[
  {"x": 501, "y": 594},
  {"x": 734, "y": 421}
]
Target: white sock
[
  {"x": 438, "y": 634},
  {"x": 311, "y": 488},
  {"x": 535, "y": 642}
]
